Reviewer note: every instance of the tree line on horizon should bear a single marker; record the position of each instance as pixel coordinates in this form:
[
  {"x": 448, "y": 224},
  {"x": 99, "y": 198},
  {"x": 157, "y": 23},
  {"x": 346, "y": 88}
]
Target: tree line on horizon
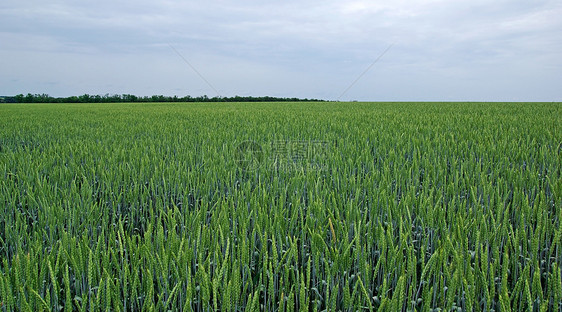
[{"x": 128, "y": 98}]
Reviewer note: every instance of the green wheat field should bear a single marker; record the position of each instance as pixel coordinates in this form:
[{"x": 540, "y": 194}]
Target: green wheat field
[{"x": 281, "y": 207}]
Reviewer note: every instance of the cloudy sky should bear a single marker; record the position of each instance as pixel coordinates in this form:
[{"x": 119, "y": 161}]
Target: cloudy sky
[{"x": 474, "y": 50}]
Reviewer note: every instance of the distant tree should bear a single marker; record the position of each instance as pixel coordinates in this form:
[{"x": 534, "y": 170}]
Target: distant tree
[
  {"x": 86, "y": 98},
  {"x": 116, "y": 98},
  {"x": 29, "y": 98}
]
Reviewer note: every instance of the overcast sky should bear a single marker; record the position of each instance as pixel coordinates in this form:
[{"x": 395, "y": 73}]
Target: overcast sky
[{"x": 502, "y": 50}]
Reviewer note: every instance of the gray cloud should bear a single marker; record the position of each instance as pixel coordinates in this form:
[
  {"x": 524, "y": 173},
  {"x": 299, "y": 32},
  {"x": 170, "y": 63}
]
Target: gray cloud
[{"x": 444, "y": 50}]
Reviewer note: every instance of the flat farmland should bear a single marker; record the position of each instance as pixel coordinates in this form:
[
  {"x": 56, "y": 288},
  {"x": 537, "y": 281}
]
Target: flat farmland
[{"x": 281, "y": 207}]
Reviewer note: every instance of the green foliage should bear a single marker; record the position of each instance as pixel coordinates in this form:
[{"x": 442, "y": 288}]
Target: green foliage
[
  {"x": 408, "y": 206},
  {"x": 130, "y": 98}
]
